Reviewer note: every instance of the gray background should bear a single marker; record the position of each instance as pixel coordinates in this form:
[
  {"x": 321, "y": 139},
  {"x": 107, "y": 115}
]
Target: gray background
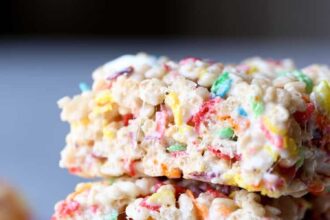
[{"x": 34, "y": 74}]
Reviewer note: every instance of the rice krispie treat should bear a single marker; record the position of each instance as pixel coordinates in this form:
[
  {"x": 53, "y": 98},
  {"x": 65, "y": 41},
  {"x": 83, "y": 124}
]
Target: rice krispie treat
[
  {"x": 12, "y": 206},
  {"x": 103, "y": 200},
  {"x": 261, "y": 125},
  {"x": 150, "y": 198}
]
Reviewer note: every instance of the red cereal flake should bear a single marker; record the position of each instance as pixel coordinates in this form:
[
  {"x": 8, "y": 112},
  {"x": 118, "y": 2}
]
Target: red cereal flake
[
  {"x": 153, "y": 207},
  {"x": 127, "y": 118},
  {"x": 303, "y": 117},
  {"x": 316, "y": 188},
  {"x": 206, "y": 109},
  {"x": 179, "y": 190},
  {"x": 167, "y": 68},
  {"x": 215, "y": 193},
  {"x": 288, "y": 172},
  {"x": 130, "y": 167},
  {"x": 74, "y": 170},
  {"x": 223, "y": 156}
]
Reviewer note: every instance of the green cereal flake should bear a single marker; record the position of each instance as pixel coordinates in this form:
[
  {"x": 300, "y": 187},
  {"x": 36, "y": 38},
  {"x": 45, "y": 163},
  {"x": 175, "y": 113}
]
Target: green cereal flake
[
  {"x": 111, "y": 180},
  {"x": 222, "y": 85},
  {"x": 301, "y": 159},
  {"x": 257, "y": 108},
  {"x": 300, "y": 162},
  {"x": 301, "y": 77},
  {"x": 226, "y": 133},
  {"x": 305, "y": 79},
  {"x": 176, "y": 147}
]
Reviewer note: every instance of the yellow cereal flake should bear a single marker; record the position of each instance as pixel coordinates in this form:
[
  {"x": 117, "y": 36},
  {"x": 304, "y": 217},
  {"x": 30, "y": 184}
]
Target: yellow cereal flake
[
  {"x": 290, "y": 145},
  {"x": 271, "y": 127},
  {"x": 103, "y": 101},
  {"x": 185, "y": 129},
  {"x": 322, "y": 94},
  {"x": 237, "y": 180},
  {"x": 201, "y": 72},
  {"x": 252, "y": 69},
  {"x": 108, "y": 133},
  {"x": 174, "y": 103},
  {"x": 163, "y": 197},
  {"x": 80, "y": 189},
  {"x": 75, "y": 125},
  {"x": 183, "y": 132},
  {"x": 274, "y": 155},
  {"x": 267, "y": 192},
  {"x": 230, "y": 178},
  {"x": 82, "y": 122},
  {"x": 103, "y": 97}
]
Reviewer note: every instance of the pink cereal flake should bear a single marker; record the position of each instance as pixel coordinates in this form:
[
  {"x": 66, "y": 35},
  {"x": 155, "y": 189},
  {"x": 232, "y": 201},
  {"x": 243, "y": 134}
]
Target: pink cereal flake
[
  {"x": 94, "y": 208},
  {"x": 276, "y": 140},
  {"x": 189, "y": 60},
  {"x": 68, "y": 208},
  {"x": 161, "y": 121},
  {"x": 153, "y": 207},
  {"x": 130, "y": 167}
]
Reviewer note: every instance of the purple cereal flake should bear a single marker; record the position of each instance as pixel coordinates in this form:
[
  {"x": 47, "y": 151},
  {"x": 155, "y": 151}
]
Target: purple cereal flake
[
  {"x": 129, "y": 70},
  {"x": 178, "y": 154},
  {"x": 154, "y": 137},
  {"x": 225, "y": 189},
  {"x": 203, "y": 175},
  {"x": 196, "y": 190},
  {"x": 274, "y": 61}
]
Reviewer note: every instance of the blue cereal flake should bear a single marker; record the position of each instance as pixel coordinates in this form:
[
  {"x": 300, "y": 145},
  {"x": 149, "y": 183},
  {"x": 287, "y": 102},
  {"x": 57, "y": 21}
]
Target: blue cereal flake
[
  {"x": 242, "y": 112},
  {"x": 84, "y": 87},
  {"x": 222, "y": 85}
]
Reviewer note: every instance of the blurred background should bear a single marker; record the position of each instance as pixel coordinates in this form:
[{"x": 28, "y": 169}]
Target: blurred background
[
  {"x": 48, "y": 46},
  {"x": 210, "y": 18}
]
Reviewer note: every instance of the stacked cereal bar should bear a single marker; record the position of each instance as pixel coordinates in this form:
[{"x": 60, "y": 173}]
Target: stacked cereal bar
[
  {"x": 150, "y": 198},
  {"x": 260, "y": 125}
]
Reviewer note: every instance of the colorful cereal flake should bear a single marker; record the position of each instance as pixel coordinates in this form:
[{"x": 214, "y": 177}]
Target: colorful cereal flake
[{"x": 222, "y": 85}]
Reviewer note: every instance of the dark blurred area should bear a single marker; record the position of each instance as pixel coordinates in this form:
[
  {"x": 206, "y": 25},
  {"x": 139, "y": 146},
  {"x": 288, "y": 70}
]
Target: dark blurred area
[{"x": 211, "y": 18}]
